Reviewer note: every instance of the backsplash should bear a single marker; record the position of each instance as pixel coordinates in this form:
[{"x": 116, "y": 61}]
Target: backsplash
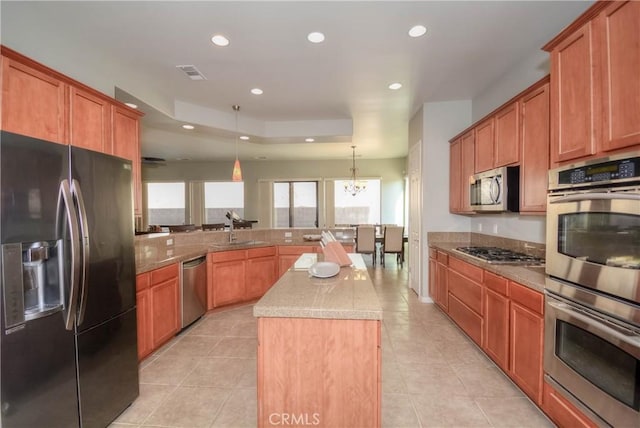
[{"x": 482, "y": 240}]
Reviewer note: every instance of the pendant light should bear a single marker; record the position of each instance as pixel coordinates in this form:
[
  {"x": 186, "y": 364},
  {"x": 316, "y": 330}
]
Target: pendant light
[
  {"x": 237, "y": 171},
  {"x": 354, "y": 186}
]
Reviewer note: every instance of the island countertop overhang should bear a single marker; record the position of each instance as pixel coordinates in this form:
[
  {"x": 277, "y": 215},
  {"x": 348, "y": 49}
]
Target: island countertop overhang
[{"x": 349, "y": 295}]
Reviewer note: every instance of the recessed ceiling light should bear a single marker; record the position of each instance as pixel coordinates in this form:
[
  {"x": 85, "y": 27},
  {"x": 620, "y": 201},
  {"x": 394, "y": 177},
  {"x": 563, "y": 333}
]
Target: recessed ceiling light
[
  {"x": 315, "y": 37},
  {"x": 220, "y": 40},
  {"x": 417, "y": 31},
  {"x": 183, "y": 159},
  {"x": 244, "y": 137},
  {"x": 188, "y": 127},
  {"x": 395, "y": 86},
  {"x": 257, "y": 91},
  {"x": 132, "y": 105},
  {"x": 309, "y": 140}
]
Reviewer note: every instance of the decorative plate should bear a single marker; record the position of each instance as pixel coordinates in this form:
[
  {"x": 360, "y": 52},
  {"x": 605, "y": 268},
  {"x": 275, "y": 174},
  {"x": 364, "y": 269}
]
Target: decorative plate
[{"x": 324, "y": 269}]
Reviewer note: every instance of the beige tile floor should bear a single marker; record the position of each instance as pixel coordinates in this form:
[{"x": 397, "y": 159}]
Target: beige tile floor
[{"x": 432, "y": 374}]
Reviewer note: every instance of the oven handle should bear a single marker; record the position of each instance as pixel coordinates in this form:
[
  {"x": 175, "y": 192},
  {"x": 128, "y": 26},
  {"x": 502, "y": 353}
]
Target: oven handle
[
  {"x": 624, "y": 335},
  {"x": 594, "y": 196}
]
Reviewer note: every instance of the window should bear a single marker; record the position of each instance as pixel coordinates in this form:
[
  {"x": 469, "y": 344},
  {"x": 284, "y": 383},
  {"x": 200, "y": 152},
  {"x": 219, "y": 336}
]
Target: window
[
  {"x": 166, "y": 203},
  {"x": 220, "y": 197},
  {"x": 363, "y": 208},
  {"x": 295, "y": 204}
]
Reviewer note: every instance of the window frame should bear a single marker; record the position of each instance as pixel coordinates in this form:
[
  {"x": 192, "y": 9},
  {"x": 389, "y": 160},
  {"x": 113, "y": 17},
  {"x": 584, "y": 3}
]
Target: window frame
[
  {"x": 187, "y": 200},
  {"x": 291, "y": 216}
]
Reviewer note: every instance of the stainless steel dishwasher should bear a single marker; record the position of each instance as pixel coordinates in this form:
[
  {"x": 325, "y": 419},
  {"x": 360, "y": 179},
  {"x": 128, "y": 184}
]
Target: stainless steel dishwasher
[{"x": 193, "y": 289}]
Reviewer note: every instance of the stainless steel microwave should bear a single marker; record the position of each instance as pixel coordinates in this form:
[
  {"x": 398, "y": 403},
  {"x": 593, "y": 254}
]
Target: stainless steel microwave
[{"x": 497, "y": 190}]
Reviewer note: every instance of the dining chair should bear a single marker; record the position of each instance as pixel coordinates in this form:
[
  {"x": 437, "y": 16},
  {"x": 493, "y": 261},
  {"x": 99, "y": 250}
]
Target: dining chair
[
  {"x": 213, "y": 226},
  {"x": 366, "y": 241},
  {"x": 392, "y": 243}
]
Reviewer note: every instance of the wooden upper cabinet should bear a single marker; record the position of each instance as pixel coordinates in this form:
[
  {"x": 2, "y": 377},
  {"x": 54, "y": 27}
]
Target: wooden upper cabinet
[
  {"x": 126, "y": 144},
  {"x": 484, "y": 145},
  {"x": 574, "y": 98},
  {"x": 620, "y": 57},
  {"x": 89, "y": 121},
  {"x": 33, "y": 102},
  {"x": 534, "y": 140},
  {"x": 507, "y": 147},
  {"x": 467, "y": 151},
  {"x": 455, "y": 176}
]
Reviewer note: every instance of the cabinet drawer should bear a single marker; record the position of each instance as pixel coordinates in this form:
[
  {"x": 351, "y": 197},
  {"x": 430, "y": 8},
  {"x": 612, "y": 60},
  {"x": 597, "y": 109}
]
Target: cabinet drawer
[
  {"x": 466, "y": 269},
  {"x": 496, "y": 283},
  {"x": 261, "y": 252},
  {"x": 164, "y": 274},
  {"x": 432, "y": 253},
  {"x": 227, "y": 256},
  {"x": 526, "y": 297},
  {"x": 561, "y": 411},
  {"x": 466, "y": 291},
  {"x": 297, "y": 249},
  {"x": 143, "y": 281},
  {"x": 468, "y": 320},
  {"x": 443, "y": 258}
]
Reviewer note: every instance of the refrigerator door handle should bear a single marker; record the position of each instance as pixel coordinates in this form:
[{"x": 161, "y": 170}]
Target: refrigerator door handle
[
  {"x": 84, "y": 231},
  {"x": 72, "y": 219}
]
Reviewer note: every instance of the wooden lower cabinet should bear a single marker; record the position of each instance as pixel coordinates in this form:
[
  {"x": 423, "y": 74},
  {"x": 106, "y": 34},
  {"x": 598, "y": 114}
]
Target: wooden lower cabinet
[
  {"x": 561, "y": 411},
  {"x": 467, "y": 319},
  {"x": 143, "y": 311},
  {"x": 526, "y": 341},
  {"x": 261, "y": 271},
  {"x": 226, "y": 278},
  {"x": 288, "y": 254},
  {"x": 496, "y": 328},
  {"x": 165, "y": 311},
  {"x": 330, "y": 375},
  {"x": 158, "y": 308}
]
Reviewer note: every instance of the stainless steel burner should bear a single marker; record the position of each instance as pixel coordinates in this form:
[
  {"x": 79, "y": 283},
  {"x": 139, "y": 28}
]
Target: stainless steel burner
[{"x": 497, "y": 255}]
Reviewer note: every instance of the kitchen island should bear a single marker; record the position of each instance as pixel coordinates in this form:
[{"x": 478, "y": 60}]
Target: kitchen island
[{"x": 319, "y": 350}]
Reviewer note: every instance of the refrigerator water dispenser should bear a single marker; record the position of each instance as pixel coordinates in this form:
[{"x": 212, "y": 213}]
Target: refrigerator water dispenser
[{"x": 31, "y": 277}]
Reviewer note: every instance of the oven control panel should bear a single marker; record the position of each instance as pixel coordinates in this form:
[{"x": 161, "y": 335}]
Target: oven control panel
[{"x": 608, "y": 171}]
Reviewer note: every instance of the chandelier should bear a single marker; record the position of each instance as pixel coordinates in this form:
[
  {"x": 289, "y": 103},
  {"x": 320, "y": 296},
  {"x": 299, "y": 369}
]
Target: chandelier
[
  {"x": 354, "y": 186},
  {"x": 236, "y": 175}
]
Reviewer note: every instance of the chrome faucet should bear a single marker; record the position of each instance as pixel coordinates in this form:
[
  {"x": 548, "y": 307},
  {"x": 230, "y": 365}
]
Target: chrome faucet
[{"x": 232, "y": 234}]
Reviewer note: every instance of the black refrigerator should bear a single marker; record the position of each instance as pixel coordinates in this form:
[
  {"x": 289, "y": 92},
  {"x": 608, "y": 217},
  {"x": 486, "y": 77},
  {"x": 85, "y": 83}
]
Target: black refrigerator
[{"x": 68, "y": 348}]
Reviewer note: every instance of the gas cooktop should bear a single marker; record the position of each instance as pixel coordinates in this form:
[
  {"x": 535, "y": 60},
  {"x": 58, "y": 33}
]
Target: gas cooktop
[{"x": 503, "y": 256}]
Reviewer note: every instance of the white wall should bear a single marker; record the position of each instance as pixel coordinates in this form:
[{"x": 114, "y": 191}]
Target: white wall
[
  {"x": 533, "y": 68},
  {"x": 440, "y": 121},
  {"x": 390, "y": 171}
]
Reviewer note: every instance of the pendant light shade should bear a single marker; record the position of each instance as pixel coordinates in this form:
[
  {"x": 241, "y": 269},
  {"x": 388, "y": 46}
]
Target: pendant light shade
[
  {"x": 237, "y": 171},
  {"x": 236, "y": 175}
]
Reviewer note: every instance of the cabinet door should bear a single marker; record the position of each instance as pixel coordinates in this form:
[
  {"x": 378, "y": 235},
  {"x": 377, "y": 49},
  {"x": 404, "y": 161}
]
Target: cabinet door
[
  {"x": 442, "y": 289},
  {"x": 620, "y": 58},
  {"x": 467, "y": 169},
  {"x": 165, "y": 311},
  {"x": 496, "y": 328},
  {"x": 535, "y": 151},
  {"x": 90, "y": 121},
  {"x": 574, "y": 101},
  {"x": 526, "y": 351},
  {"x": 285, "y": 262},
  {"x": 143, "y": 312},
  {"x": 228, "y": 282},
  {"x": 507, "y": 145},
  {"x": 455, "y": 176},
  {"x": 261, "y": 275},
  {"x": 484, "y": 147},
  {"x": 126, "y": 144},
  {"x": 562, "y": 412},
  {"x": 433, "y": 266},
  {"x": 33, "y": 103}
]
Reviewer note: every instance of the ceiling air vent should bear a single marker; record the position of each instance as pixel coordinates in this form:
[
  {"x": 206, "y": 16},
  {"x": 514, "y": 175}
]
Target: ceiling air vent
[{"x": 192, "y": 72}]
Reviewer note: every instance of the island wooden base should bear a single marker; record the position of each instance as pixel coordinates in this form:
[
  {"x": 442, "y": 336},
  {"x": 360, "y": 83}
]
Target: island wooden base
[{"x": 319, "y": 372}]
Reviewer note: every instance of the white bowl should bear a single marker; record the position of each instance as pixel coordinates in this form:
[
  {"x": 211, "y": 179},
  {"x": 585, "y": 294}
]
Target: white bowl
[{"x": 324, "y": 269}]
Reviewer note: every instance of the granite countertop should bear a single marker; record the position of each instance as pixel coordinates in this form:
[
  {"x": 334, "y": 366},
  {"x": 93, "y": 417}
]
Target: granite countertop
[
  {"x": 151, "y": 258},
  {"x": 530, "y": 276},
  {"x": 349, "y": 295}
]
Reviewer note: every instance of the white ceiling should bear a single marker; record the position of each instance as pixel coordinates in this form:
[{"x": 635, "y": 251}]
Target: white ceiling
[{"x": 335, "y": 91}]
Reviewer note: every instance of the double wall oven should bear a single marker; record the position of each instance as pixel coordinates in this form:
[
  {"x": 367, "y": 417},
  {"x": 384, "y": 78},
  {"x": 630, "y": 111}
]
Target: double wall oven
[{"x": 592, "y": 299}]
